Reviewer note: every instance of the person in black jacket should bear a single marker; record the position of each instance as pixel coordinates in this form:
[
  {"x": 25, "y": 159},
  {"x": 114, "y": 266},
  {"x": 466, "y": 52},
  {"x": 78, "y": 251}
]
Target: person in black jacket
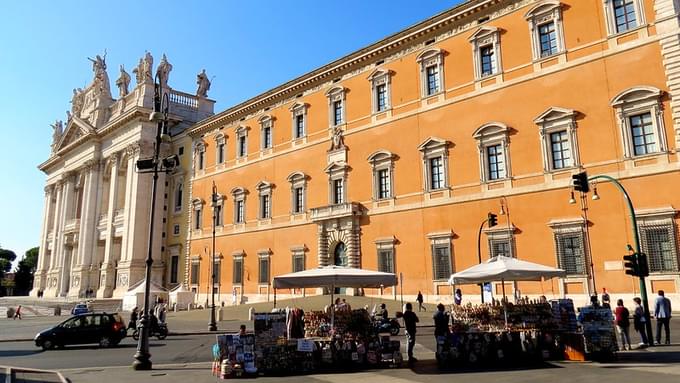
[
  {"x": 410, "y": 320},
  {"x": 441, "y": 321}
]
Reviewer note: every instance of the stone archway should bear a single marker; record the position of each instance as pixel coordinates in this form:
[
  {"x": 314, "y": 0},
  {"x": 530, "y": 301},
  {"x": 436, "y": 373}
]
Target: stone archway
[{"x": 340, "y": 254}]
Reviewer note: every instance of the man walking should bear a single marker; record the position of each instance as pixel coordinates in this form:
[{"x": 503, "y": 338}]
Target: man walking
[
  {"x": 419, "y": 299},
  {"x": 662, "y": 312},
  {"x": 410, "y": 320}
]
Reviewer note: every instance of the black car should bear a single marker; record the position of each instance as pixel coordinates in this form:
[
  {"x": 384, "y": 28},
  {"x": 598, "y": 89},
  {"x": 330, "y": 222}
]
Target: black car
[{"x": 102, "y": 328}]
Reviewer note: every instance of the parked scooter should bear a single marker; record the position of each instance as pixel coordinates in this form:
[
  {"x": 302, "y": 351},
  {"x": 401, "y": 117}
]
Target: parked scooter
[
  {"x": 391, "y": 325},
  {"x": 160, "y": 331}
]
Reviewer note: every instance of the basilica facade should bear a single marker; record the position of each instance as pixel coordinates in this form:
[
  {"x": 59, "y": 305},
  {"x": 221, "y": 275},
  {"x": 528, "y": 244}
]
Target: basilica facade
[{"x": 95, "y": 231}]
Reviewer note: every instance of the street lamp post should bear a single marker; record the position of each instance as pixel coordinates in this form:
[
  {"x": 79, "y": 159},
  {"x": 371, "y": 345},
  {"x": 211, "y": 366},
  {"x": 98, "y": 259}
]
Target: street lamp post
[
  {"x": 636, "y": 239},
  {"x": 212, "y": 326},
  {"x": 153, "y": 165}
]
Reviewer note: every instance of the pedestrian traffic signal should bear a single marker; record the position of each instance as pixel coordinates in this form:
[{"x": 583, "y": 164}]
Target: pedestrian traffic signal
[
  {"x": 643, "y": 265},
  {"x": 580, "y": 182},
  {"x": 631, "y": 264},
  {"x": 492, "y": 219}
]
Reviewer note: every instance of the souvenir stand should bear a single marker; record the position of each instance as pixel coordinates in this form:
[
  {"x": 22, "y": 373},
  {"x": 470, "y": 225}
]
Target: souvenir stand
[
  {"x": 502, "y": 332},
  {"x": 290, "y": 341},
  {"x": 598, "y": 331}
]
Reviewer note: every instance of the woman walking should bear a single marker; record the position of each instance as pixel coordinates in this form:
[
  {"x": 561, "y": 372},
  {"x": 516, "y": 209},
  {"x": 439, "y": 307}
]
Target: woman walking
[
  {"x": 621, "y": 316},
  {"x": 639, "y": 321}
]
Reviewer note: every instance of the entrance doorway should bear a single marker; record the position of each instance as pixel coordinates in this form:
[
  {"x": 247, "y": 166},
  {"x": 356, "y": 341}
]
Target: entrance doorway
[{"x": 340, "y": 259}]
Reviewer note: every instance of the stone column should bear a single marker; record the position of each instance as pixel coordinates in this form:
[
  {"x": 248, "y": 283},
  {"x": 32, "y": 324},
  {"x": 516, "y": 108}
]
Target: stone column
[
  {"x": 64, "y": 259},
  {"x": 88, "y": 229},
  {"x": 51, "y": 281},
  {"x": 39, "y": 276},
  {"x": 107, "y": 272},
  {"x": 354, "y": 245},
  {"x": 323, "y": 245}
]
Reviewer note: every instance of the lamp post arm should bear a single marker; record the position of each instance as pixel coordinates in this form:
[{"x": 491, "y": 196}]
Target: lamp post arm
[{"x": 479, "y": 255}]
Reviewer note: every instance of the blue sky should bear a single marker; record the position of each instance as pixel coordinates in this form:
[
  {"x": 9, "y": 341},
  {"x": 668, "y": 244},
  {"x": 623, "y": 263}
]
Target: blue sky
[{"x": 247, "y": 46}]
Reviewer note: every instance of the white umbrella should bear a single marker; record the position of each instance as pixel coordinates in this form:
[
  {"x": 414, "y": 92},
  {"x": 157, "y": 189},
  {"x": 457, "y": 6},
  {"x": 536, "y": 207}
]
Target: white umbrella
[
  {"x": 506, "y": 269},
  {"x": 332, "y": 277},
  {"x": 501, "y": 268}
]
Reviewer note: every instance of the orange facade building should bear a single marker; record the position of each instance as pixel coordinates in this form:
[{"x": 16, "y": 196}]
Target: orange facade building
[{"x": 391, "y": 158}]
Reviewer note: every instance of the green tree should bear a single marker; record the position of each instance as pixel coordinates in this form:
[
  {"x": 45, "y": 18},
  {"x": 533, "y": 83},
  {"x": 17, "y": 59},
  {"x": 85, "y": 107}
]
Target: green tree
[
  {"x": 6, "y": 259},
  {"x": 23, "y": 278}
]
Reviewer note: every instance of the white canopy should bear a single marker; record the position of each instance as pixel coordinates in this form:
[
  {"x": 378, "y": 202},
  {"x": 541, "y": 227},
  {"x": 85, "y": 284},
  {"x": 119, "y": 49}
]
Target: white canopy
[
  {"x": 334, "y": 276},
  {"x": 506, "y": 269}
]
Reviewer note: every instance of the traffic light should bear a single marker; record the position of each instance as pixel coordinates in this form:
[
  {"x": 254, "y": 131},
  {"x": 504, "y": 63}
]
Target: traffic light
[
  {"x": 631, "y": 264},
  {"x": 643, "y": 265},
  {"x": 580, "y": 182},
  {"x": 492, "y": 219}
]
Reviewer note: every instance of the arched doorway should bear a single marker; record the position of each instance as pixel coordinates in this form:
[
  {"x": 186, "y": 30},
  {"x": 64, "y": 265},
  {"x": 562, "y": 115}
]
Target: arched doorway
[{"x": 340, "y": 259}]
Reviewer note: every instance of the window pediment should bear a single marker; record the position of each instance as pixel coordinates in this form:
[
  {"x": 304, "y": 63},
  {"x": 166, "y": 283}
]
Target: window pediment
[
  {"x": 297, "y": 106},
  {"x": 242, "y": 129},
  {"x": 197, "y": 203},
  {"x": 381, "y": 155},
  {"x": 429, "y": 53},
  {"x": 335, "y": 90},
  {"x": 220, "y": 138},
  {"x": 264, "y": 186},
  {"x": 555, "y": 113},
  {"x": 335, "y": 167},
  {"x": 433, "y": 143},
  {"x": 239, "y": 191},
  {"x": 543, "y": 7},
  {"x": 636, "y": 94},
  {"x": 491, "y": 130},
  {"x": 296, "y": 176},
  {"x": 379, "y": 73},
  {"x": 265, "y": 119},
  {"x": 199, "y": 146},
  {"x": 482, "y": 33}
]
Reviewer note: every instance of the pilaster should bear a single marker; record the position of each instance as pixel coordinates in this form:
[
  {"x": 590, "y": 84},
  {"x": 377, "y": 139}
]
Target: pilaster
[
  {"x": 39, "y": 275},
  {"x": 88, "y": 230},
  {"x": 107, "y": 272},
  {"x": 668, "y": 25}
]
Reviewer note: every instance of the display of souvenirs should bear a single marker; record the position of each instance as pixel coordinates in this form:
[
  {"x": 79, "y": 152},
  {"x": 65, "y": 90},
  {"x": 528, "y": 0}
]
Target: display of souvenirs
[
  {"x": 564, "y": 314},
  {"x": 236, "y": 354},
  {"x": 317, "y": 324},
  {"x": 491, "y": 317},
  {"x": 598, "y": 330},
  {"x": 270, "y": 328}
]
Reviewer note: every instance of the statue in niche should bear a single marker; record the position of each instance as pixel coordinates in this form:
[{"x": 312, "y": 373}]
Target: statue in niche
[
  {"x": 338, "y": 141},
  {"x": 203, "y": 84},
  {"x": 163, "y": 71},
  {"x": 58, "y": 131},
  {"x": 77, "y": 101},
  {"x": 123, "y": 82}
]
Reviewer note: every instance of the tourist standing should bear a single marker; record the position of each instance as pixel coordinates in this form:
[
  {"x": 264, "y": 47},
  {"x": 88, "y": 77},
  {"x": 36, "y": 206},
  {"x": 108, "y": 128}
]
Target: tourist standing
[
  {"x": 605, "y": 298},
  {"x": 622, "y": 318},
  {"x": 410, "y": 320},
  {"x": 441, "y": 321},
  {"x": 662, "y": 312},
  {"x": 458, "y": 297},
  {"x": 639, "y": 321}
]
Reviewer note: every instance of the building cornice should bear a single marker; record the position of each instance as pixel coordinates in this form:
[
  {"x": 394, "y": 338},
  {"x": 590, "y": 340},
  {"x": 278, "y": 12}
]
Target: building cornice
[{"x": 347, "y": 63}]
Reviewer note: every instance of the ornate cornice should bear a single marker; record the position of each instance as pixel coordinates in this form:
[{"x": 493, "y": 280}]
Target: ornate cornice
[{"x": 453, "y": 21}]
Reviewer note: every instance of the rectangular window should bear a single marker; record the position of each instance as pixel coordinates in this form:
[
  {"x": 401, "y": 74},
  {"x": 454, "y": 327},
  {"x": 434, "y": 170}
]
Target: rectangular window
[
  {"x": 298, "y": 262},
  {"x": 441, "y": 263},
  {"x": 432, "y": 79},
  {"x": 240, "y": 206},
  {"x": 494, "y": 156},
  {"x": 242, "y": 146},
  {"x": 218, "y": 216},
  {"x": 264, "y": 270},
  {"x": 175, "y": 230},
  {"x": 386, "y": 260},
  {"x": 337, "y": 191},
  {"x": 559, "y": 146},
  {"x": 381, "y": 97},
  {"x": 298, "y": 203},
  {"x": 264, "y": 206},
  {"x": 501, "y": 247},
  {"x": 267, "y": 137},
  {"x": 624, "y": 13},
  {"x": 174, "y": 268},
  {"x": 548, "y": 39},
  {"x": 195, "y": 272},
  {"x": 436, "y": 173},
  {"x": 488, "y": 60},
  {"x": 201, "y": 160},
  {"x": 198, "y": 219},
  {"x": 658, "y": 242},
  {"x": 642, "y": 131},
  {"x": 216, "y": 270},
  {"x": 570, "y": 253},
  {"x": 220, "y": 153},
  {"x": 384, "y": 183},
  {"x": 337, "y": 112},
  {"x": 299, "y": 125},
  {"x": 237, "y": 278}
]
